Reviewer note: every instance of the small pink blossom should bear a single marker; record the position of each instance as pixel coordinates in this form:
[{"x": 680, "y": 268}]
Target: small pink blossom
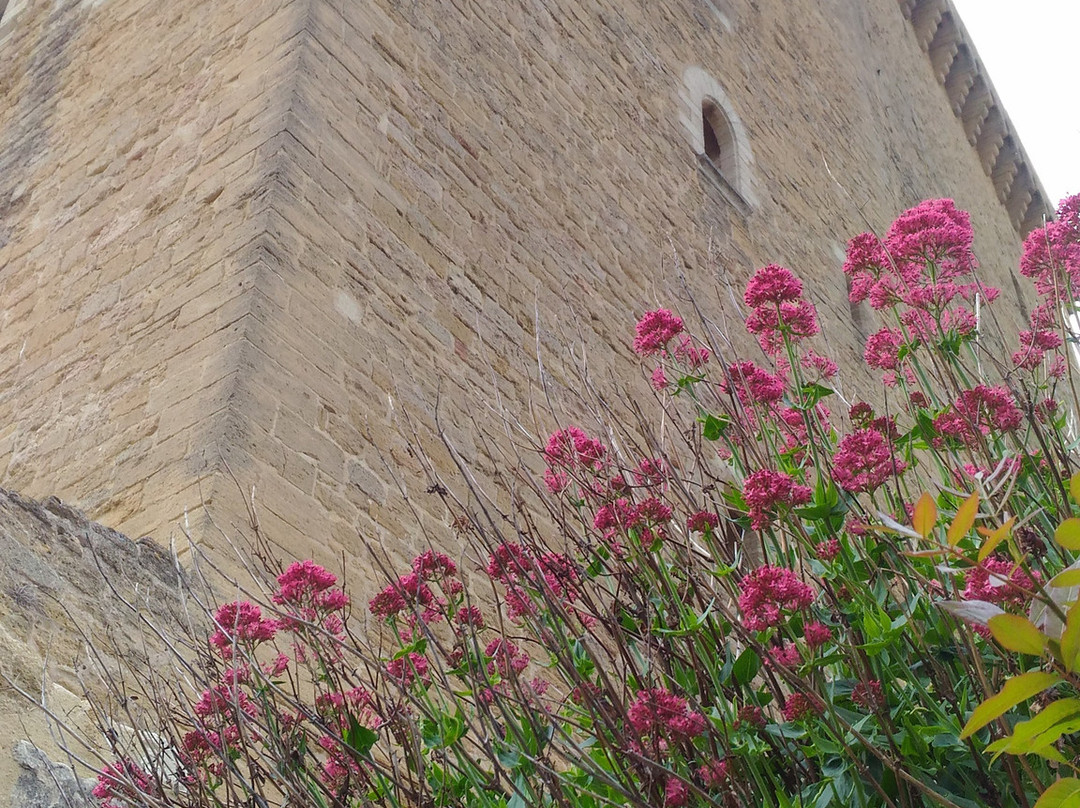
[
  {"x": 691, "y": 356},
  {"x": 883, "y": 349},
  {"x": 702, "y": 522},
  {"x": 786, "y": 654},
  {"x": 865, "y": 461},
  {"x": 572, "y": 448},
  {"x": 767, "y": 593},
  {"x": 240, "y": 622},
  {"x": 752, "y": 384},
  {"x": 676, "y": 793},
  {"x": 868, "y": 695},
  {"x": 1001, "y": 581},
  {"x": 772, "y": 284},
  {"x": 658, "y": 380},
  {"x": 827, "y": 550},
  {"x": 714, "y": 773},
  {"x": 817, "y": 634},
  {"x": 655, "y": 330},
  {"x": 766, "y": 489},
  {"x": 409, "y": 669},
  {"x": 660, "y": 712},
  {"x": 801, "y": 706}
]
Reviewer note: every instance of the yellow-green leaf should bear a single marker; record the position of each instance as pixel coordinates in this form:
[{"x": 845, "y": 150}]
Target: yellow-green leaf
[
  {"x": 1068, "y": 534},
  {"x": 995, "y": 538},
  {"x": 1016, "y": 690},
  {"x": 1063, "y": 580},
  {"x": 1017, "y": 633},
  {"x": 965, "y": 518},
  {"x": 1070, "y": 640},
  {"x": 1065, "y": 793},
  {"x": 1074, "y": 487},
  {"x": 1045, "y": 727},
  {"x": 925, "y": 516}
]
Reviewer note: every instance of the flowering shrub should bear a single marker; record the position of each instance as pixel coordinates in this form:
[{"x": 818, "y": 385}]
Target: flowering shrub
[{"x": 791, "y": 606}]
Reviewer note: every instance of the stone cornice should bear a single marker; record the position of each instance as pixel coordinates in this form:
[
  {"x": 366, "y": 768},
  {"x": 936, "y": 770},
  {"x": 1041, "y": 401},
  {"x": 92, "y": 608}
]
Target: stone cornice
[{"x": 942, "y": 35}]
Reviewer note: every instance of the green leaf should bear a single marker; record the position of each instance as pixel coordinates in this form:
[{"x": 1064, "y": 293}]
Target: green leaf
[
  {"x": 1066, "y": 579},
  {"x": 359, "y": 738},
  {"x": 965, "y": 518},
  {"x": 746, "y": 666},
  {"x": 812, "y": 394},
  {"x": 715, "y": 426},
  {"x": 1017, "y": 633},
  {"x": 1068, "y": 534},
  {"x": 1065, "y": 793},
  {"x": 1070, "y": 640},
  {"x": 1016, "y": 690},
  {"x": 1057, "y": 719},
  {"x": 1074, "y": 487}
]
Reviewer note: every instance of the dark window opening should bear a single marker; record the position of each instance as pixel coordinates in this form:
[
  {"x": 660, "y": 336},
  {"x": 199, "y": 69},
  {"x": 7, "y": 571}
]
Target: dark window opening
[{"x": 719, "y": 140}]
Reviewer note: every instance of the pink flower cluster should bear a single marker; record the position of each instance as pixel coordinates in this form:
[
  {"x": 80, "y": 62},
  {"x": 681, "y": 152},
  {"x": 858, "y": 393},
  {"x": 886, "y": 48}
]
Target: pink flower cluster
[
  {"x": 523, "y": 573},
  {"x": 817, "y": 634},
  {"x": 927, "y": 249},
  {"x": 765, "y": 490},
  {"x": 506, "y": 658},
  {"x": 1001, "y": 581},
  {"x": 865, "y": 461},
  {"x": 240, "y": 622},
  {"x": 647, "y": 519},
  {"x": 768, "y": 592},
  {"x": 412, "y": 591},
  {"x": 702, "y": 522},
  {"x": 660, "y": 713},
  {"x": 1040, "y": 338},
  {"x": 868, "y": 695},
  {"x": 122, "y": 783},
  {"x": 975, "y": 413},
  {"x": 752, "y": 385},
  {"x": 1051, "y": 256},
  {"x": 778, "y": 309},
  {"x": 655, "y": 330},
  {"x": 800, "y": 706}
]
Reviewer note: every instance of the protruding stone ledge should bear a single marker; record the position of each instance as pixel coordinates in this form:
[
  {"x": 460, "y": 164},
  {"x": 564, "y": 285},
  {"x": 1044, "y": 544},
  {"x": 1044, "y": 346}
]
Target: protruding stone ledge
[{"x": 940, "y": 32}]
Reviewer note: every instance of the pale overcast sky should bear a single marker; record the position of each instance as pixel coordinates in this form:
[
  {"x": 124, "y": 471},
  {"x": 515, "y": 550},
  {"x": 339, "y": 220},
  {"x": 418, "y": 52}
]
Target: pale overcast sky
[{"x": 1030, "y": 51}]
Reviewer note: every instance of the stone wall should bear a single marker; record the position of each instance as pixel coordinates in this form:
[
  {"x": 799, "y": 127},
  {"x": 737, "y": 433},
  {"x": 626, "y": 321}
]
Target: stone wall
[{"x": 241, "y": 242}]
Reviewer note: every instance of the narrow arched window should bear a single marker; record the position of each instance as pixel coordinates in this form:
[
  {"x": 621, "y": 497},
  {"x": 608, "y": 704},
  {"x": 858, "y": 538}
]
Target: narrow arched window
[{"x": 719, "y": 140}]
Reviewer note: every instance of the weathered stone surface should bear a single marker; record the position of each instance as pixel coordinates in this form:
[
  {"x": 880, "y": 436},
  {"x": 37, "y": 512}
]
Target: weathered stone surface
[
  {"x": 62, "y": 578},
  {"x": 43, "y": 783}
]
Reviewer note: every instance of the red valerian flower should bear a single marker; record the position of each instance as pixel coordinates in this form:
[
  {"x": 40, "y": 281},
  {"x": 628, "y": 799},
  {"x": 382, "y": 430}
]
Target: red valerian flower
[
  {"x": 799, "y": 706},
  {"x": 655, "y": 330},
  {"x": 752, "y": 384},
  {"x": 868, "y": 695},
  {"x": 572, "y": 448},
  {"x": 817, "y": 634},
  {"x": 865, "y": 461},
  {"x": 1001, "y": 581},
  {"x": 772, "y": 284},
  {"x": 702, "y": 522},
  {"x": 660, "y": 712},
  {"x": 768, "y": 592},
  {"x": 978, "y": 412},
  {"x": 766, "y": 489},
  {"x": 240, "y": 622},
  {"x": 1051, "y": 254}
]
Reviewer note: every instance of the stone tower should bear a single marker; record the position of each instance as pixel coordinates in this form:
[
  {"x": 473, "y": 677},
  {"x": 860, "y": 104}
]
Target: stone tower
[{"x": 237, "y": 239}]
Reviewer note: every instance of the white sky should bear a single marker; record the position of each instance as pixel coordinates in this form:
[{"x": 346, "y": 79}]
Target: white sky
[{"x": 1030, "y": 51}]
